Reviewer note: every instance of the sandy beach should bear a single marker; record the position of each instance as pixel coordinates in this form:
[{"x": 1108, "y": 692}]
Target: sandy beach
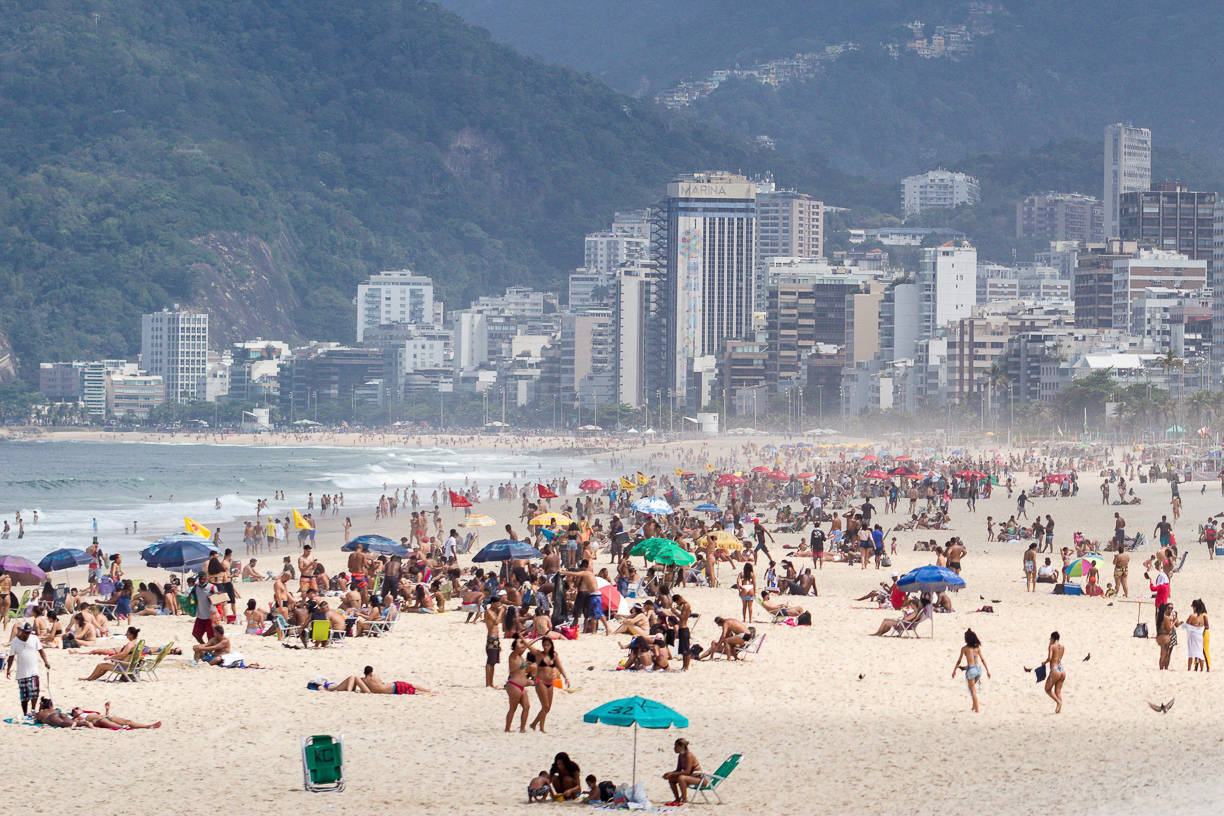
[{"x": 828, "y": 719}]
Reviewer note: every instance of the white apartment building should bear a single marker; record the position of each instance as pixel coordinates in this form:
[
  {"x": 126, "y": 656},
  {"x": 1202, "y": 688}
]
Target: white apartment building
[
  {"x": 397, "y": 296},
  {"x": 1128, "y": 168},
  {"x": 174, "y": 346},
  {"x": 605, "y": 251},
  {"x": 1152, "y": 268},
  {"x": 938, "y": 190},
  {"x": 947, "y": 280}
]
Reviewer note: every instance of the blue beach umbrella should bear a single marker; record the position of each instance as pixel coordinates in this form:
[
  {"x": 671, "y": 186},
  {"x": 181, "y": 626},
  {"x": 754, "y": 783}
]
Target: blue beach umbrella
[
  {"x": 377, "y": 544},
  {"x": 707, "y": 508},
  {"x": 930, "y": 579},
  {"x": 186, "y": 553},
  {"x": 507, "y": 550},
  {"x": 63, "y": 559},
  {"x": 636, "y": 711}
]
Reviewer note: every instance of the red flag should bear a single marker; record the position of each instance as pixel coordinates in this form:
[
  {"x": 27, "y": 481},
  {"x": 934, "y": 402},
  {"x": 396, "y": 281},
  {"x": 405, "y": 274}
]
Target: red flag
[
  {"x": 459, "y": 500},
  {"x": 545, "y": 493}
]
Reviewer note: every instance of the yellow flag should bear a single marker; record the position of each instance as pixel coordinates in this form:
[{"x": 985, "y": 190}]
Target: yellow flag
[
  {"x": 195, "y": 528},
  {"x": 679, "y": 472},
  {"x": 626, "y": 484},
  {"x": 709, "y": 467},
  {"x": 642, "y": 478},
  {"x": 300, "y": 523}
]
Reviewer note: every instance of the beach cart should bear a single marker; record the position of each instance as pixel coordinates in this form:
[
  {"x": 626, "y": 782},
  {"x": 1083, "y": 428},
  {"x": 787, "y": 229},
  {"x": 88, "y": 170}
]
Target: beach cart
[{"x": 323, "y": 763}]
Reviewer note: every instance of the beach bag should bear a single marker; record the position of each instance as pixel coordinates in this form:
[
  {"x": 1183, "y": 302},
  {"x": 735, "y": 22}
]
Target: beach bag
[
  {"x": 1141, "y": 630},
  {"x": 886, "y": 561},
  {"x": 607, "y": 791},
  {"x": 570, "y": 632}
]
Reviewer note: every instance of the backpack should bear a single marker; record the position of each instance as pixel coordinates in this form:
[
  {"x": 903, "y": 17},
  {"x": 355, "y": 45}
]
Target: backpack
[{"x": 1141, "y": 630}]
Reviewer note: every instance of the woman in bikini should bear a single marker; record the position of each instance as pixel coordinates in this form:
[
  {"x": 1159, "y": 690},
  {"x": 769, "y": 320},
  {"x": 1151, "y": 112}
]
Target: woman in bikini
[
  {"x": 1055, "y": 673},
  {"x": 547, "y": 669},
  {"x": 516, "y": 684},
  {"x": 747, "y": 593},
  {"x": 105, "y": 719},
  {"x": 975, "y": 662},
  {"x": 688, "y": 772},
  {"x": 1166, "y": 630}
]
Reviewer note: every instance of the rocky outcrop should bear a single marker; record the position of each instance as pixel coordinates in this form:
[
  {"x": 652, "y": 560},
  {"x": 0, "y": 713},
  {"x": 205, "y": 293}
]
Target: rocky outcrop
[
  {"x": 8, "y": 360},
  {"x": 246, "y": 290}
]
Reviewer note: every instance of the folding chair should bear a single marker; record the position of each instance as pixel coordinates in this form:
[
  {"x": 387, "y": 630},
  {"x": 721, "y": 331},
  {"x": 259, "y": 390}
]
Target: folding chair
[
  {"x": 323, "y": 763},
  {"x": 711, "y": 782}
]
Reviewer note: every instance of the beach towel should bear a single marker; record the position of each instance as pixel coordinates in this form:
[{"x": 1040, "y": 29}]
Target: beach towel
[{"x": 22, "y": 721}]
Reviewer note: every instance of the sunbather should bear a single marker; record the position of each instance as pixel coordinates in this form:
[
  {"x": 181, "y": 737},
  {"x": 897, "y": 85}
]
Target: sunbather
[
  {"x": 108, "y": 720},
  {"x": 371, "y": 683},
  {"x": 120, "y": 655},
  {"x": 779, "y": 608},
  {"x": 48, "y": 714},
  {"x": 903, "y": 623}
]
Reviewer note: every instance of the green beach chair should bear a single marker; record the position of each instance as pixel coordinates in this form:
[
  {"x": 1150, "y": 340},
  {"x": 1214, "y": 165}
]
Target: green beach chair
[
  {"x": 149, "y": 665},
  {"x": 710, "y": 782},
  {"x": 126, "y": 669},
  {"x": 323, "y": 763}
]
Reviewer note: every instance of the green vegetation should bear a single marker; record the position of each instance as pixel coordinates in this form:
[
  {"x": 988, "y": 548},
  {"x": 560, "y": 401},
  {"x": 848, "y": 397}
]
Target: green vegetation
[{"x": 347, "y": 137}]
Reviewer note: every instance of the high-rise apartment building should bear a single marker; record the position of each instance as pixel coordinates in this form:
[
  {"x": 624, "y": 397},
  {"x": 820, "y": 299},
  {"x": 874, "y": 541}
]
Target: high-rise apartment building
[
  {"x": 947, "y": 282},
  {"x": 809, "y": 305},
  {"x": 1093, "y": 286},
  {"x": 1152, "y": 268},
  {"x": 398, "y": 296},
  {"x": 709, "y": 253},
  {"x": 1128, "y": 168},
  {"x": 1171, "y": 218},
  {"x": 603, "y": 252},
  {"x": 938, "y": 190},
  {"x": 639, "y": 344},
  {"x": 174, "y": 345},
  {"x": 1060, "y": 217},
  {"x": 788, "y": 225}
]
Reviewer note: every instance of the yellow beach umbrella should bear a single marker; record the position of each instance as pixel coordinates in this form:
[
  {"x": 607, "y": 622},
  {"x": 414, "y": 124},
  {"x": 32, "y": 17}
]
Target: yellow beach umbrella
[
  {"x": 477, "y": 520},
  {"x": 727, "y": 541},
  {"x": 545, "y": 519}
]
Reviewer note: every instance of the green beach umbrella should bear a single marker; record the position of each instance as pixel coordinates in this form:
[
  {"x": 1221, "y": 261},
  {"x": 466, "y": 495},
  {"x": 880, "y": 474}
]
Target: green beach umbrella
[
  {"x": 636, "y": 711},
  {"x": 647, "y": 546},
  {"x": 1082, "y": 566},
  {"x": 672, "y": 555}
]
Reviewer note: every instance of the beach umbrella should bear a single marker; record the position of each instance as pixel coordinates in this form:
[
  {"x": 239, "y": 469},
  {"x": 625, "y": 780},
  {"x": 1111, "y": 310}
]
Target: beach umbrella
[
  {"x": 545, "y": 519},
  {"x": 648, "y": 545},
  {"x": 672, "y": 555},
  {"x": 807, "y": 474},
  {"x": 477, "y": 520},
  {"x": 1057, "y": 478},
  {"x": 183, "y": 554},
  {"x": 727, "y": 541},
  {"x": 1082, "y": 566},
  {"x": 971, "y": 474},
  {"x": 930, "y": 579},
  {"x": 730, "y": 479},
  {"x": 376, "y": 544},
  {"x": 876, "y": 474},
  {"x": 707, "y": 508},
  {"x": 635, "y": 711},
  {"x": 761, "y": 469},
  {"x": 611, "y": 596},
  {"x": 652, "y": 505},
  {"x": 22, "y": 570},
  {"x": 870, "y": 458},
  {"x": 590, "y": 485},
  {"x": 507, "y": 550},
  {"x": 777, "y": 476},
  {"x": 63, "y": 559},
  {"x": 902, "y": 459}
]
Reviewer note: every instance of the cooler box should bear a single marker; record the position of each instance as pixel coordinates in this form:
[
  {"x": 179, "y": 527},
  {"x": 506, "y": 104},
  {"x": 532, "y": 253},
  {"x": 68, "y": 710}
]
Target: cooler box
[
  {"x": 1219, "y": 550},
  {"x": 1072, "y": 589}
]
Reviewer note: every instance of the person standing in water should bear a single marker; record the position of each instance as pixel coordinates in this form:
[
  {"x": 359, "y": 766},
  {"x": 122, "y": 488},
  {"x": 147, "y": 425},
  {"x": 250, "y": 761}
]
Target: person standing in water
[
  {"x": 975, "y": 663},
  {"x": 1056, "y": 675}
]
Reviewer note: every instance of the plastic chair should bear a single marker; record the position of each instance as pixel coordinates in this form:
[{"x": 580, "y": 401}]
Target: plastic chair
[{"x": 323, "y": 763}]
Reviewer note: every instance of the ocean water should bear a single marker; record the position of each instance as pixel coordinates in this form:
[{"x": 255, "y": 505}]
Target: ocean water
[{"x": 72, "y": 484}]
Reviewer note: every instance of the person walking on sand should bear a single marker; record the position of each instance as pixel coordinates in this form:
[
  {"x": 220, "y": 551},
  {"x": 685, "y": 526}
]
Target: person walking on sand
[
  {"x": 24, "y": 650},
  {"x": 1121, "y": 565},
  {"x": 975, "y": 663},
  {"x": 1056, "y": 675}
]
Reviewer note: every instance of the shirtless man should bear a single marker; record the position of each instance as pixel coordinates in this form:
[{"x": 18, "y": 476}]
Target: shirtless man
[
  {"x": 684, "y": 611},
  {"x": 306, "y": 569},
  {"x": 250, "y": 573},
  {"x": 493, "y": 617},
  {"x": 1119, "y": 529},
  {"x": 734, "y": 635},
  {"x": 371, "y": 683},
  {"x": 1121, "y": 565},
  {"x": 955, "y": 553},
  {"x": 281, "y": 598},
  {"x": 214, "y": 650},
  {"x": 358, "y": 561},
  {"x": 588, "y": 591}
]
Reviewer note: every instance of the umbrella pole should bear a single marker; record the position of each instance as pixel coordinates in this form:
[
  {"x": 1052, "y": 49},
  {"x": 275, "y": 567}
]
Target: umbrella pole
[{"x": 635, "y": 730}]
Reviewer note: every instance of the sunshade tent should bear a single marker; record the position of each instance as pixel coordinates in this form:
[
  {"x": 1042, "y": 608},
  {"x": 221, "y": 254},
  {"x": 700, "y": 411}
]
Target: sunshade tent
[
  {"x": 636, "y": 711},
  {"x": 507, "y": 549}
]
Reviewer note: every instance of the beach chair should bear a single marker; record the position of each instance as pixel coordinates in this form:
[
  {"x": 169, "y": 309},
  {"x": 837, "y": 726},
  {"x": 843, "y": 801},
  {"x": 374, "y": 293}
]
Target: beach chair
[
  {"x": 1178, "y": 568},
  {"x": 908, "y": 628},
  {"x": 321, "y": 632},
  {"x": 751, "y": 647},
  {"x": 21, "y": 607},
  {"x": 710, "y": 782},
  {"x": 283, "y": 629},
  {"x": 774, "y": 617},
  {"x": 384, "y": 624},
  {"x": 466, "y": 545},
  {"x": 323, "y": 763},
  {"x": 125, "y": 669},
  {"x": 148, "y": 665}
]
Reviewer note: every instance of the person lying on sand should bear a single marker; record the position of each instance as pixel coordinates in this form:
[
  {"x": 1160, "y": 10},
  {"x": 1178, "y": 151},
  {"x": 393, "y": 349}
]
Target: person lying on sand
[
  {"x": 105, "y": 719},
  {"x": 371, "y": 683}
]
